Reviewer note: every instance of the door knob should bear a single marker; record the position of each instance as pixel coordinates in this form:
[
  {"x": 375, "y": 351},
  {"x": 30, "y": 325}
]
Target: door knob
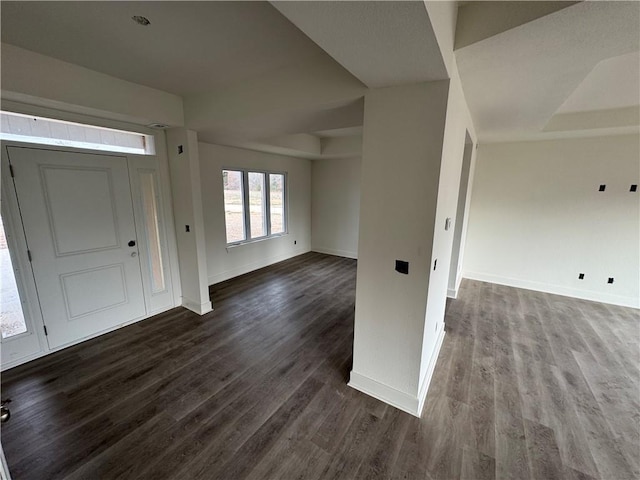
[
  {"x": 134, "y": 254},
  {"x": 132, "y": 243},
  {"x": 5, "y": 414}
]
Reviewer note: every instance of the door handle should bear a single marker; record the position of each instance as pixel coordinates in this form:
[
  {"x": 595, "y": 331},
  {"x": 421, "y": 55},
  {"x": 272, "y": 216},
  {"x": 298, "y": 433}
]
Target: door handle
[
  {"x": 5, "y": 414},
  {"x": 134, "y": 254}
]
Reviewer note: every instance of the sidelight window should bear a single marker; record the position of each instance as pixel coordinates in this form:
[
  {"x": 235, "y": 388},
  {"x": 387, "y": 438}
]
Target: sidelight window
[{"x": 12, "y": 320}]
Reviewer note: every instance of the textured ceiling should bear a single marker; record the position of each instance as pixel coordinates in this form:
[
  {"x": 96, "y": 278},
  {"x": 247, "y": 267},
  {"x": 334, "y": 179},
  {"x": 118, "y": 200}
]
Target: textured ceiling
[
  {"x": 479, "y": 20},
  {"x": 613, "y": 83},
  {"x": 189, "y": 47},
  {"x": 380, "y": 43},
  {"x": 520, "y": 77},
  {"x": 515, "y": 81}
]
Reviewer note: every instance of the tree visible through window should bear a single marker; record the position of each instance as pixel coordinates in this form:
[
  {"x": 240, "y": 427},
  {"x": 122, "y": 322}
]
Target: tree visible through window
[{"x": 254, "y": 205}]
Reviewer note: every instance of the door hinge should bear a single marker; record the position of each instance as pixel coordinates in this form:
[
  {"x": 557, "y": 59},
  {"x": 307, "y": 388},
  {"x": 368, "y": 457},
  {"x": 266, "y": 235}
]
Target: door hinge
[
  {"x": 11, "y": 170},
  {"x": 29, "y": 255},
  {"x": 45, "y": 331}
]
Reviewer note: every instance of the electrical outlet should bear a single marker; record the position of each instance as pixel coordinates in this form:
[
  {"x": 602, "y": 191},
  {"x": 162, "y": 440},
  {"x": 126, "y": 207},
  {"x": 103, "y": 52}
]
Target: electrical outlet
[
  {"x": 187, "y": 228},
  {"x": 610, "y": 280},
  {"x": 634, "y": 188},
  {"x": 295, "y": 242},
  {"x": 435, "y": 263},
  {"x": 180, "y": 149},
  {"x": 402, "y": 267},
  {"x": 602, "y": 188},
  {"x": 581, "y": 276}
]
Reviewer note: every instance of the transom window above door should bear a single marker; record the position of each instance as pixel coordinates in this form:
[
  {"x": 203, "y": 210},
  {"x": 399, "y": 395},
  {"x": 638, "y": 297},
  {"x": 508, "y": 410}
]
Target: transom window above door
[
  {"x": 254, "y": 205},
  {"x": 47, "y": 131}
]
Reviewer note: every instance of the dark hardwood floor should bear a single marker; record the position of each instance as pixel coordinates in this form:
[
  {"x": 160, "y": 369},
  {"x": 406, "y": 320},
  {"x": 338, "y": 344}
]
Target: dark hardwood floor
[{"x": 527, "y": 385}]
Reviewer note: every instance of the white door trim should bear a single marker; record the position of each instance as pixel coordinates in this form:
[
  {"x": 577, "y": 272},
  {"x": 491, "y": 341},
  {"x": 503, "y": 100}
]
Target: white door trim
[{"x": 32, "y": 341}]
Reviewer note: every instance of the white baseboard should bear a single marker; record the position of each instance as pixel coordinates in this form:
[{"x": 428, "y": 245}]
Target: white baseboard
[
  {"x": 453, "y": 293},
  {"x": 250, "y": 267},
  {"x": 199, "y": 308},
  {"x": 396, "y": 398},
  {"x": 401, "y": 400},
  {"x": 555, "y": 289},
  {"x": 338, "y": 253},
  {"x": 426, "y": 381}
]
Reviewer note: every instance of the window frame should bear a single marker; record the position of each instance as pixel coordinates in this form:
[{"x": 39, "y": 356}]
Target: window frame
[
  {"x": 147, "y": 145},
  {"x": 246, "y": 207}
]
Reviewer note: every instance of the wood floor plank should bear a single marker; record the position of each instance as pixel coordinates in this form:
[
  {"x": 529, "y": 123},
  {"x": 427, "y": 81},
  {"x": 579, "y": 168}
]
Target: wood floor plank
[
  {"x": 542, "y": 450},
  {"x": 413, "y": 457},
  {"x": 445, "y": 451},
  {"x": 527, "y": 385},
  {"x": 296, "y": 438},
  {"x": 477, "y": 466},
  {"x": 379, "y": 464},
  {"x": 349, "y": 453},
  {"x": 511, "y": 449},
  {"x": 258, "y": 445}
]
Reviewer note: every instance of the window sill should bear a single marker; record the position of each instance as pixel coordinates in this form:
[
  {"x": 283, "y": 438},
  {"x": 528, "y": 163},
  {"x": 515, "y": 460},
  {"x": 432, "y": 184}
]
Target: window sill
[{"x": 231, "y": 246}]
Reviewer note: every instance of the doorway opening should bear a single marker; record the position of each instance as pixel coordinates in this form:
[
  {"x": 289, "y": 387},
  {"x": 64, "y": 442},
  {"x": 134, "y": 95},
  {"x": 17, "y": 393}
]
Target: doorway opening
[{"x": 455, "y": 271}]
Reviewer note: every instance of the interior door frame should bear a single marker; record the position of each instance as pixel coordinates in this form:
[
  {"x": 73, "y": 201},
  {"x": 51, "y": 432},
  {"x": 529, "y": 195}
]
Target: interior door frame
[{"x": 167, "y": 204}]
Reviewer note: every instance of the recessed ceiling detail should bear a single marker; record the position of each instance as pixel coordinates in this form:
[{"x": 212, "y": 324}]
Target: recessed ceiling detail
[
  {"x": 613, "y": 83},
  {"x": 580, "y": 58},
  {"x": 380, "y": 43}
]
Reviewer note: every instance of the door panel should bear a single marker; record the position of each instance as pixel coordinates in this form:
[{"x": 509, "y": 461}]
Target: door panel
[
  {"x": 80, "y": 203},
  {"x": 90, "y": 291},
  {"x": 78, "y": 219}
]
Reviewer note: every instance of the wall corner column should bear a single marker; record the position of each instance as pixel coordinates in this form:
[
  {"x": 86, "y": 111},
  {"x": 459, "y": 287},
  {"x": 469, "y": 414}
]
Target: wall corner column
[
  {"x": 402, "y": 155},
  {"x": 184, "y": 166}
]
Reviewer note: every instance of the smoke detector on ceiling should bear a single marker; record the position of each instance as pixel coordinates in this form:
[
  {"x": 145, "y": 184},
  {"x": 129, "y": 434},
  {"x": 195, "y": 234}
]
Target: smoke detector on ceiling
[
  {"x": 160, "y": 126},
  {"x": 140, "y": 20}
]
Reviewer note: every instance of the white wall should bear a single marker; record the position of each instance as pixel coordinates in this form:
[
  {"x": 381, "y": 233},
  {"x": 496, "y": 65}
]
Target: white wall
[
  {"x": 335, "y": 206},
  {"x": 402, "y": 153},
  {"x": 36, "y": 79},
  {"x": 537, "y": 218},
  {"x": 224, "y": 263},
  {"x": 458, "y": 123}
]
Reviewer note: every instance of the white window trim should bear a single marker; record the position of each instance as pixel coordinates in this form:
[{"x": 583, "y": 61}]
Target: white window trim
[{"x": 245, "y": 203}]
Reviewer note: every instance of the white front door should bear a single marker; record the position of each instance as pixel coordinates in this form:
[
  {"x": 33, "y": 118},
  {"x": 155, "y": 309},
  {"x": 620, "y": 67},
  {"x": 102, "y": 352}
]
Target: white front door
[{"x": 78, "y": 220}]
